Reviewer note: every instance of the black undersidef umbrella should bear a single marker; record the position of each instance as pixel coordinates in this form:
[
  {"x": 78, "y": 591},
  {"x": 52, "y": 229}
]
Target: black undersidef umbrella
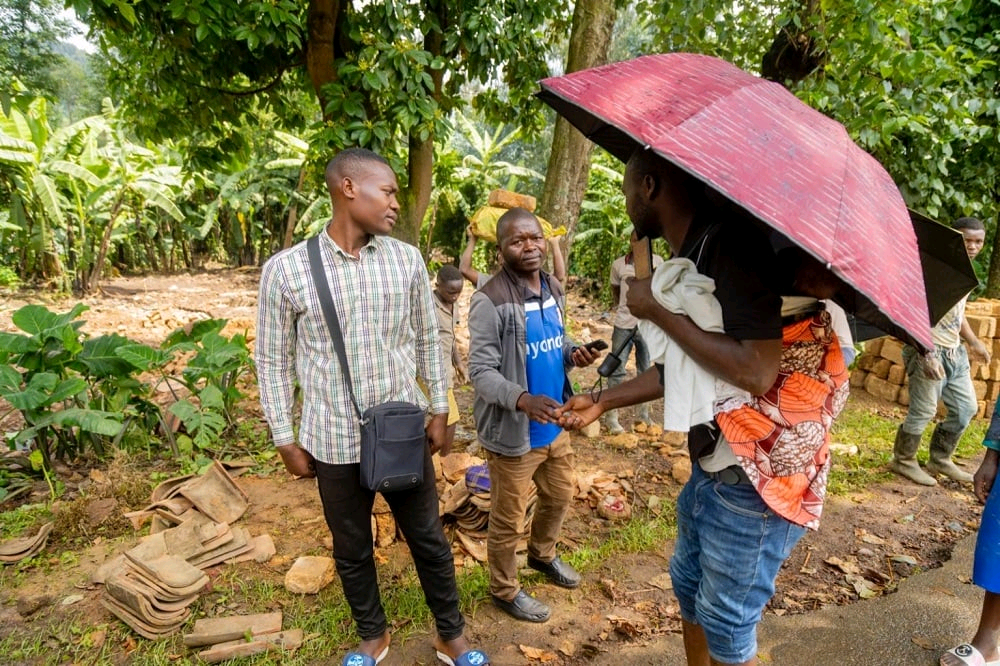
[{"x": 948, "y": 273}]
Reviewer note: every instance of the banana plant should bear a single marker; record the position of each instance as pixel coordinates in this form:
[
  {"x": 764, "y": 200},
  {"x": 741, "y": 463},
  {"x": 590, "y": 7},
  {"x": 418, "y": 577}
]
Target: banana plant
[{"x": 34, "y": 201}]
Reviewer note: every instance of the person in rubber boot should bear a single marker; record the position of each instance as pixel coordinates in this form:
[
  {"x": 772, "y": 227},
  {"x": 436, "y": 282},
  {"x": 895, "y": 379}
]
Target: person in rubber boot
[{"x": 942, "y": 374}]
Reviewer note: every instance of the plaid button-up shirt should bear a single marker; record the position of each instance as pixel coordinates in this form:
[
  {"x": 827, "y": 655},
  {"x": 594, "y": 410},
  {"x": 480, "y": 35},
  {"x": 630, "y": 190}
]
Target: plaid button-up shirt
[{"x": 386, "y": 311}]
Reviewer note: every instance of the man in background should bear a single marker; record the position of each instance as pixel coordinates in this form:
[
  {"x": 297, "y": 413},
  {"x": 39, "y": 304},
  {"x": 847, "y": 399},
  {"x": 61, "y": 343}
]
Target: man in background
[
  {"x": 942, "y": 374},
  {"x": 626, "y": 336}
]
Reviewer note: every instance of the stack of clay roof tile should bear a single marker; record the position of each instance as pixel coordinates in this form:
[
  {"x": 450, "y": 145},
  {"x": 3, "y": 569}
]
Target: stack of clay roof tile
[
  {"x": 151, "y": 586},
  {"x": 222, "y": 638},
  {"x": 467, "y": 501},
  {"x": 15, "y": 550}
]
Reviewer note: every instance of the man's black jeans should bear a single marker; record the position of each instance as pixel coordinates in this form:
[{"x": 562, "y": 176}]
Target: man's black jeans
[{"x": 348, "y": 510}]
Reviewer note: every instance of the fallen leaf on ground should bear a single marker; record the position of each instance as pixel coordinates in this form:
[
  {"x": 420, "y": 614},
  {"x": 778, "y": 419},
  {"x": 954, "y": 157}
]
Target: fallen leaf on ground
[
  {"x": 925, "y": 643},
  {"x": 538, "y": 654},
  {"x": 904, "y": 559},
  {"x": 625, "y": 626},
  {"x": 567, "y": 648},
  {"x": 864, "y": 587},
  {"x": 847, "y": 566},
  {"x": 662, "y": 582},
  {"x": 869, "y": 538}
]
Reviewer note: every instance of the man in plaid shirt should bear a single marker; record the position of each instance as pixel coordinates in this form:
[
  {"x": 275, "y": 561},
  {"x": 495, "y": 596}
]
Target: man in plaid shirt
[{"x": 383, "y": 300}]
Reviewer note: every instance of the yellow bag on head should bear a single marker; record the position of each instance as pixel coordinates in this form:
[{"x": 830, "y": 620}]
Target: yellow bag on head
[{"x": 483, "y": 224}]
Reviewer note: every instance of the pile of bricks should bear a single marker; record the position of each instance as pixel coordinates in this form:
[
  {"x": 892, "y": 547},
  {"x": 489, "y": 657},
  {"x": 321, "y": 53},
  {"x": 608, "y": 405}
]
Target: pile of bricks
[{"x": 881, "y": 372}]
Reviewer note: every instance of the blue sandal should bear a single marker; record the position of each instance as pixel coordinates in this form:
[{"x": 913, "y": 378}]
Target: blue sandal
[
  {"x": 470, "y": 658},
  {"x": 361, "y": 659}
]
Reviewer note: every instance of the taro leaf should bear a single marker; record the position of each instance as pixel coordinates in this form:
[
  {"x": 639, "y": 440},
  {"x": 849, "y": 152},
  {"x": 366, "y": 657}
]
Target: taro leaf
[
  {"x": 10, "y": 379},
  {"x": 67, "y": 388},
  {"x": 101, "y": 359},
  {"x": 194, "y": 332},
  {"x": 90, "y": 420},
  {"x": 39, "y": 320},
  {"x": 35, "y": 394},
  {"x": 143, "y": 357},
  {"x": 14, "y": 343}
]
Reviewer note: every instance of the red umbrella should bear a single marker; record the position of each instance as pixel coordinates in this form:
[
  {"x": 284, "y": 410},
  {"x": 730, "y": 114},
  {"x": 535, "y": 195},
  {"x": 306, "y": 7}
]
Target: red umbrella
[{"x": 780, "y": 160}]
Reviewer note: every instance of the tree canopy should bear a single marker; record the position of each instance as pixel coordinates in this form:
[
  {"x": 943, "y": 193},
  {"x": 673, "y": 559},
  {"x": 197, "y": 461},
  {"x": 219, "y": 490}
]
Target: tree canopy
[{"x": 383, "y": 75}]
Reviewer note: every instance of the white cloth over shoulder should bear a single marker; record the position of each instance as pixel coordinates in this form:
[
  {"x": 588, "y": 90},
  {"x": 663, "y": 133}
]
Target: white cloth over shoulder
[{"x": 689, "y": 391}]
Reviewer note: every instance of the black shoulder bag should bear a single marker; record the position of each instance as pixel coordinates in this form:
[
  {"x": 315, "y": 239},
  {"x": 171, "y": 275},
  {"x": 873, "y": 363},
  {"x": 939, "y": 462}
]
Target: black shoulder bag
[{"x": 393, "y": 439}]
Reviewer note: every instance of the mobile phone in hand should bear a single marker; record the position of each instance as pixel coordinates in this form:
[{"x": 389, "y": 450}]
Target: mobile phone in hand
[{"x": 596, "y": 345}]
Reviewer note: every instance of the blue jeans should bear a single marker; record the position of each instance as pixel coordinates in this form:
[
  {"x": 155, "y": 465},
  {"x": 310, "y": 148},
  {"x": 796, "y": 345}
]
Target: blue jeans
[
  {"x": 955, "y": 391},
  {"x": 641, "y": 353},
  {"x": 729, "y": 549}
]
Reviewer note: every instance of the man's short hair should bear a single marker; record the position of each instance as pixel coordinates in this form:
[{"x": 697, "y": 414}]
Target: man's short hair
[
  {"x": 968, "y": 223},
  {"x": 511, "y": 216},
  {"x": 646, "y": 162},
  {"x": 449, "y": 273},
  {"x": 350, "y": 162}
]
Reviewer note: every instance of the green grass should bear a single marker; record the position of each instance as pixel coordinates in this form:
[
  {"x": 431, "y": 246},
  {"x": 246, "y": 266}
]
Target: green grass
[
  {"x": 874, "y": 433},
  {"x": 324, "y": 618}
]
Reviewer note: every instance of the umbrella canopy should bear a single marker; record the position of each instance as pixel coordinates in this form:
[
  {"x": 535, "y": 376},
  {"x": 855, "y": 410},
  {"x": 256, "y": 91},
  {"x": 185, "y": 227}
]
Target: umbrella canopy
[
  {"x": 778, "y": 159},
  {"x": 948, "y": 273}
]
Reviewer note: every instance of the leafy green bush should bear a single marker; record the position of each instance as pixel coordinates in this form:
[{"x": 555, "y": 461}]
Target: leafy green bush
[
  {"x": 212, "y": 377},
  {"x": 76, "y": 394}
]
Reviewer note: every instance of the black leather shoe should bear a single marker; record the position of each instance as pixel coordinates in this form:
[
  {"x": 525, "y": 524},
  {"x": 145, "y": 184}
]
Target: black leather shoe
[
  {"x": 524, "y": 607},
  {"x": 557, "y": 571}
]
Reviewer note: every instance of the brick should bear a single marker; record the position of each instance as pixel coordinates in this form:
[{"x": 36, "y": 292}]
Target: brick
[
  {"x": 866, "y": 361},
  {"x": 981, "y": 410},
  {"x": 980, "y": 387},
  {"x": 904, "y": 397},
  {"x": 874, "y": 346},
  {"x": 994, "y": 348},
  {"x": 881, "y": 368},
  {"x": 881, "y": 388},
  {"x": 508, "y": 199},
  {"x": 897, "y": 375},
  {"x": 992, "y": 390},
  {"x": 983, "y": 327},
  {"x": 979, "y": 371},
  {"x": 858, "y": 378},
  {"x": 892, "y": 349},
  {"x": 995, "y": 369},
  {"x": 981, "y": 307}
]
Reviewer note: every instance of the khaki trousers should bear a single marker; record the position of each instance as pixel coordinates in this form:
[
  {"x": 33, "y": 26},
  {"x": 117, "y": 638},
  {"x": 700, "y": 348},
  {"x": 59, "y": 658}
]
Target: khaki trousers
[{"x": 551, "y": 468}]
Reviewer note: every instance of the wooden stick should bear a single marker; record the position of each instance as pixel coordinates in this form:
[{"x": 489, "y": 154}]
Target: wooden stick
[{"x": 642, "y": 257}]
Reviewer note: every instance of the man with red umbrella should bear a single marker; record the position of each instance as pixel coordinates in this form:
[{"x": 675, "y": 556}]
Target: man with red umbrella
[{"x": 759, "y": 469}]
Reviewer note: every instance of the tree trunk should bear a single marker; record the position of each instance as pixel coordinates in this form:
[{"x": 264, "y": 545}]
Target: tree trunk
[
  {"x": 793, "y": 55},
  {"x": 569, "y": 161},
  {"x": 322, "y": 27},
  {"x": 416, "y": 196},
  {"x": 293, "y": 213}
]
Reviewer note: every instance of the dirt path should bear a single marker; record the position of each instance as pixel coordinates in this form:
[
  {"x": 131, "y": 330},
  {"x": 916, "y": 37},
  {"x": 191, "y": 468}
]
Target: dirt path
[{"x": 865, "y": 545}]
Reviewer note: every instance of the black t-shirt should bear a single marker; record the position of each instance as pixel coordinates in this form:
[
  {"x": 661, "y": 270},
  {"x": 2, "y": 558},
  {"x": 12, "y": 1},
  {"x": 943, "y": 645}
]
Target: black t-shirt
[{"x": 737, "y": 255}]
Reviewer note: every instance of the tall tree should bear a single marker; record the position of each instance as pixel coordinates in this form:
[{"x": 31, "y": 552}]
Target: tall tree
[
  {"x": 385, "y": 75},
  {"x": 30, "y": 32},
  {"x": 569, "y": 161},
  {"x": 915, "y": 83}
]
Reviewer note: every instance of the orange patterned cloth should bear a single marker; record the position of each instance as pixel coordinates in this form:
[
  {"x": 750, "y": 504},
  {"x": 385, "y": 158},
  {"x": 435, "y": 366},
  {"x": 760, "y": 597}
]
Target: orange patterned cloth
[{"x": 782, "y": 438}]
